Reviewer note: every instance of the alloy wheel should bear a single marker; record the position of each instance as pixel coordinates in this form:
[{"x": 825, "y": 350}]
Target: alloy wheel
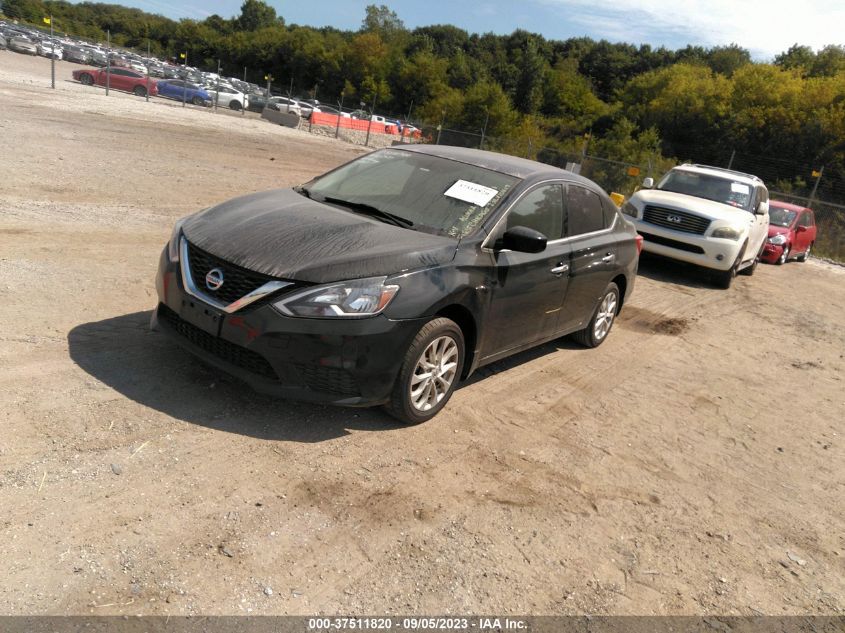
[
  {"x": 605, "y": 316},
  {"x": 434, "y": 374}
]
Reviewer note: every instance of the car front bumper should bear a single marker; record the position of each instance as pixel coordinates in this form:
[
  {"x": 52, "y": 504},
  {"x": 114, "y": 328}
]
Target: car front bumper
[
  {"x": 351, "y": 362},
  {"x": 707, "y": 252},
  {"x": 772, "y": 252}
]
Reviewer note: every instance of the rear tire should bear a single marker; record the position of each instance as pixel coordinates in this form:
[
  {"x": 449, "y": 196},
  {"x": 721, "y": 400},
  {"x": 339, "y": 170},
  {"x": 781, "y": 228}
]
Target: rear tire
[
  {"x": 86, "y": 79},
  {"x": 140, "y": 91},
  {"x": 803, "y": 257},
  {"x": 197, "y": 100},
  {"x": 602, "y": 320},
  {"x": 430, "y": 372}
]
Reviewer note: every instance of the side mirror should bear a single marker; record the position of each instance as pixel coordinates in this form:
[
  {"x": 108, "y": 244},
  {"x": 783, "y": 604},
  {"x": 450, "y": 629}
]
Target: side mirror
[
  {"x": 801, "y": 229},
  {"x": 648, "y": 183},
  {"x": 523, "y": 240},
  {"x": 762, "y": 208}
]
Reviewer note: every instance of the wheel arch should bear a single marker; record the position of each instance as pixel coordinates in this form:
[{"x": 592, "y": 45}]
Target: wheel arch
[
  {"x": 621, "y": 282},
  {"x": 465, "y": 320}
]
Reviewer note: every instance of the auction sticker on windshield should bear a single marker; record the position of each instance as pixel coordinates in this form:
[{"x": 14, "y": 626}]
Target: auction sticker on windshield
[
  {"x": 471, "y": 192},
  {"x": 738, "y": 187}
]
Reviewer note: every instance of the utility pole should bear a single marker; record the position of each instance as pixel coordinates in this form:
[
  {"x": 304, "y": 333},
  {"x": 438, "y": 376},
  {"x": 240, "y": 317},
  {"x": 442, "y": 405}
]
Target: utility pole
[
  {"x": 440, "y": 127},
  {"x": 818, "y": 175},
  {"x": 731, "y": 161},
  {"x": 217, "y": 92},
  {"x": 484, "y": 129},
  {"x": 340, "y": 114},
  {"x": 52, "y": 56},
  {"x": 147, "y": 95},
  {"x": 370, "y": 126},
  {"x": 185, "y": 78},
  {"x": 290, "y": 92},
  {"x": 108, "y": 61}
]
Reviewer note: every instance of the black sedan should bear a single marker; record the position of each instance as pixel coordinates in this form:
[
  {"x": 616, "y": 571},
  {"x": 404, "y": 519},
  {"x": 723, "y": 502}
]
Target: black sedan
[{"x": 393, "y": 277}]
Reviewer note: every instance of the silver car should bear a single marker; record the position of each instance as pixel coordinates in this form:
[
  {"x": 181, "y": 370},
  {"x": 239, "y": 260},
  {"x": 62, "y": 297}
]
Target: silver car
[{"x": 21, "y": 44}]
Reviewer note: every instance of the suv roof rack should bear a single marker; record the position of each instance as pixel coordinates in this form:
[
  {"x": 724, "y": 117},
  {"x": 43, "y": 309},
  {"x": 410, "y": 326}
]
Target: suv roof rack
[{"x": 724, "y": 169}]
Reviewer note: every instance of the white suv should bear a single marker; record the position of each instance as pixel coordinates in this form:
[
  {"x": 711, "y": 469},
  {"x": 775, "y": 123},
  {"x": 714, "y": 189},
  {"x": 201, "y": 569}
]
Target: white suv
[{"x": 708, "y": 216}]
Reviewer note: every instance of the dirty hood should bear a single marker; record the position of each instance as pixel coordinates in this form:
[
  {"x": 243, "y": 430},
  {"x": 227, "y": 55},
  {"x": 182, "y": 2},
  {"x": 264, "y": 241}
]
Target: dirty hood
[{"x": 284, "y": 234}]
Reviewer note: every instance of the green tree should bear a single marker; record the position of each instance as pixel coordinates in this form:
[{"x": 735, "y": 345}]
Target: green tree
[
  {"x": 382, "y": 21},
  {"x": 255, "y": 15}
]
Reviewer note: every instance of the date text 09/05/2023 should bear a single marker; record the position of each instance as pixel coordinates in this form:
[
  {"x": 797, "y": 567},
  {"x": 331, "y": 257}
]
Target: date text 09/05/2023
[{"x": 416, "y": 624}]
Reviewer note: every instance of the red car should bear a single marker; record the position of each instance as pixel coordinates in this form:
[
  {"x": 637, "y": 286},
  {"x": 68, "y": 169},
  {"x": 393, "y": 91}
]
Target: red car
[
  {"x": 121, "y": 79},
  {"x": 792, "y": 233}
]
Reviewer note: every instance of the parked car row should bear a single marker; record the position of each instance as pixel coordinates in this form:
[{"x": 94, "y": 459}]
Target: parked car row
[{"x": 719, "y": 219}]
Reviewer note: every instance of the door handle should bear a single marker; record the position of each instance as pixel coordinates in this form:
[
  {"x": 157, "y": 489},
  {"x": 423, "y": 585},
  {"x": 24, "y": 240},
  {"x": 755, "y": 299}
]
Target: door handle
[
  {"x": 559, "y": 269},
  {"x": 608, "y": 258}
]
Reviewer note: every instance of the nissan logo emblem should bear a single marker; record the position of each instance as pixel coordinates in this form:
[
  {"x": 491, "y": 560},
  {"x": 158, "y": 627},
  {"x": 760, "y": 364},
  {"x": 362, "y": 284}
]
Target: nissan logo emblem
[
  {"x": 675, "y": 219},
  {"x": 214, "y": 279}
]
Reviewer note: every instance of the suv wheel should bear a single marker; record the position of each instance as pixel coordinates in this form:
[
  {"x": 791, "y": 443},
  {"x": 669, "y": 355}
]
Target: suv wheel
[
  {"x": 599, "y": 326},
  {"x": 429, "y": 373},
  {"x": 749, "y": 270},
  {"x": 724, "y": 278}
]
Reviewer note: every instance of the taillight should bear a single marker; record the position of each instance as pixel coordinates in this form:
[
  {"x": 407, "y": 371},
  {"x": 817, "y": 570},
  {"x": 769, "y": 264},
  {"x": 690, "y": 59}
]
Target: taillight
[{"x": 639, "y": 243}]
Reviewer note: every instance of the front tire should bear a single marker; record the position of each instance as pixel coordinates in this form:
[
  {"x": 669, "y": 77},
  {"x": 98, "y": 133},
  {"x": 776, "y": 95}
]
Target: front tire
[
  {"x": 599, "y": 326},
  {"x": 235, "y": 105},
  {"x": 784, "y": 256},
  {"x": 198, "y": 101},
  {"x": 724, "y": 278},
  {"x": 749, "y": 270},
  {"x": 430, "y": 372},
  {"x": 86, "y": 79}
]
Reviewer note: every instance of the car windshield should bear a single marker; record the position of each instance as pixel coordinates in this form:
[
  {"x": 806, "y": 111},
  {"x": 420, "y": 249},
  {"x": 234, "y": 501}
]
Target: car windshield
[
  {"x": 724, "y": 190},
  {"x": 437, "y": 195},
  {"x": 781, "y": 217}
]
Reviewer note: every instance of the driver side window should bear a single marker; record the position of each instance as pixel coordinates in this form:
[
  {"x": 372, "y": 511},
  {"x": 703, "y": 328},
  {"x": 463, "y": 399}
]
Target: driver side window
[{"x": 540, "y": 209}]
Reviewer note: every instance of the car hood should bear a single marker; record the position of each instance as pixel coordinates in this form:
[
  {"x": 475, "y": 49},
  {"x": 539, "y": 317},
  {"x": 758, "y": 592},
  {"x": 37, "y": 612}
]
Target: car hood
[
  {"x": 699, "y": 206},
  {"x": 284, "y": 234}
]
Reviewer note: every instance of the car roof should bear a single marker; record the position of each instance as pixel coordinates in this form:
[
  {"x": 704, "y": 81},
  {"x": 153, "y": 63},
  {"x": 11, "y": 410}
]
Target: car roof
[
  {"x": 788, "y": 205},
  {"x": 721, "y": 172},
  {"x": 511, "y": 165}
]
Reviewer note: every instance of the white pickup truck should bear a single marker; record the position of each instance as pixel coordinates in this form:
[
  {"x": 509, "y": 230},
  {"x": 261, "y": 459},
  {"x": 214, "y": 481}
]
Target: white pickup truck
[{"x": 712, "y": 217}]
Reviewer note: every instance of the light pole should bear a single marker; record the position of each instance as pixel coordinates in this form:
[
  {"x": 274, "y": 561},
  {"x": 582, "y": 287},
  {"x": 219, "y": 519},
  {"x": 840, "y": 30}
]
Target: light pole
[
  {"x": 108, "y": 61},
  {"x": 52, "y": 56}
]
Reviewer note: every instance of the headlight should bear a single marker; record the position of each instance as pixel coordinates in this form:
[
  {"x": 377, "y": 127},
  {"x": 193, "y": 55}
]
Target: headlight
[
  {"x": 629, "y": 209},
  {"x": 728, "y": 232},
  {"x": 173, "y": 244},
  {"x": 779, "y": 239},
  {"x": 348, "y": 299}
]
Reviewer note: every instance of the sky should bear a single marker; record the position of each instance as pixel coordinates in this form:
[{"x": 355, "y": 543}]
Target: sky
[{"x": 764, "y": 27}]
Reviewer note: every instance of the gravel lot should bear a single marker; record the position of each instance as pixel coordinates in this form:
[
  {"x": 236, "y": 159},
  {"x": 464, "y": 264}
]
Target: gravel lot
[{"x": 693, "y": 464}]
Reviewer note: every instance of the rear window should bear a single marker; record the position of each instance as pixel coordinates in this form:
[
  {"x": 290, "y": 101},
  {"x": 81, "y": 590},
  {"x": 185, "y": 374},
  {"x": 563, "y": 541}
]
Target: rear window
[{"x": 584, "y": 212}]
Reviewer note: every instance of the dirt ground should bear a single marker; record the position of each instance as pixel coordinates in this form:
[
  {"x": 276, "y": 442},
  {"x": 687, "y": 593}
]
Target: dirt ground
[{"x": 693, "y": 464}]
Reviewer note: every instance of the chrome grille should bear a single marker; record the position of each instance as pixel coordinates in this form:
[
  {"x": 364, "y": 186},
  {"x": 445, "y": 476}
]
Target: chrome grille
[
  {"x": 238, "y": 282},
  {"x": 675, "y": 220}
]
